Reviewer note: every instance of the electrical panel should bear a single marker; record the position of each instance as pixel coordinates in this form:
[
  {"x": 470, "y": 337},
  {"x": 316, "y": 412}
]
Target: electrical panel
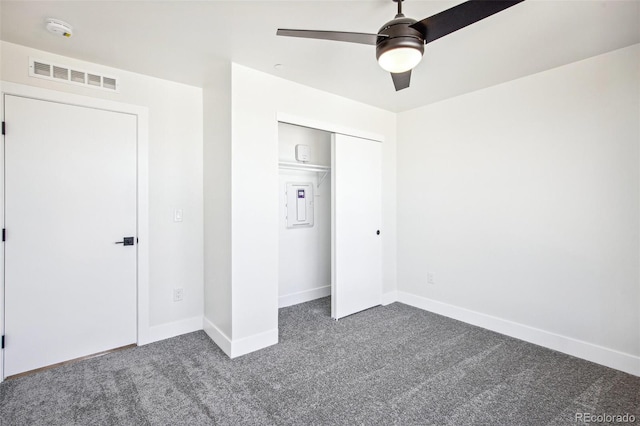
[{"x": 299, "y": 205}]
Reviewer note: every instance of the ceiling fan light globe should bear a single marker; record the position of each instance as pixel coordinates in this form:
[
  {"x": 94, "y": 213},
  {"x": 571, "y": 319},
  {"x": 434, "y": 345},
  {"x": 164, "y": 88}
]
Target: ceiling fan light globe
[{"x": 400, "y": 59}]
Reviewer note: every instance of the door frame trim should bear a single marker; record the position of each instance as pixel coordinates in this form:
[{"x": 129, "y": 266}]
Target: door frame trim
[{"x": 142, "y": 190}]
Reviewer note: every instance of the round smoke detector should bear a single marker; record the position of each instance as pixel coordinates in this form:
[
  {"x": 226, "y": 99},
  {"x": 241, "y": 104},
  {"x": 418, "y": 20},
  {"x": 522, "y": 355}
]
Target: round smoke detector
[{"x": 59, "y": 27}]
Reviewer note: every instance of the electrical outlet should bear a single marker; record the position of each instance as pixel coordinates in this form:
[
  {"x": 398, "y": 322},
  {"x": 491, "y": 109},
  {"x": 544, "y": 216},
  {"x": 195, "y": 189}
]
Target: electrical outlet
[
  {"x": 178, "y": 294},
  {"x": 431, "y": 279}
]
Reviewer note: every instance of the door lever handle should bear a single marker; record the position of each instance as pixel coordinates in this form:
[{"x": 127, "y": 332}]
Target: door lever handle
[{"x": 127, "y": 241}]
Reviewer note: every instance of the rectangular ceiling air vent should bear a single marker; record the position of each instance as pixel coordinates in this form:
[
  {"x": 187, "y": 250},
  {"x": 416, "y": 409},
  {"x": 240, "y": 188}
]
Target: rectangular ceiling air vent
[
  {"x": 109, "y": 83},
  {"x": 42, "y": 69},
  {"x": 60, "y": 73},
  {"x": 94, "y": 80},
  {"x": 78, "y": 76},
  {"x": 57, "y": 72}
]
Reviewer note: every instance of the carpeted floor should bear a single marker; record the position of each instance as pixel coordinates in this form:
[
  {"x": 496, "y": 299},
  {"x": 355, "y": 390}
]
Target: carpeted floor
[{"x": 388, "y": 365}]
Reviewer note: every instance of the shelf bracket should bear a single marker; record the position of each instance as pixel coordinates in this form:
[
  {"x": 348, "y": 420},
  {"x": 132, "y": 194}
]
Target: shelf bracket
[{"x": 324, "y": 175}]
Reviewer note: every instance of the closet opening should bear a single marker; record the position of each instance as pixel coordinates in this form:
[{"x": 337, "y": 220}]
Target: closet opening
[
  {"x": 330, "y": 236},
  {"x": 305, "y": 215}
]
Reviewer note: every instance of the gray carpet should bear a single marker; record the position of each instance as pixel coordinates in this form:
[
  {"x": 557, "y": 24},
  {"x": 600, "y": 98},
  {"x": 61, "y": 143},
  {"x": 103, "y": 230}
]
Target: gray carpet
[{"x": 388, "y": 365}]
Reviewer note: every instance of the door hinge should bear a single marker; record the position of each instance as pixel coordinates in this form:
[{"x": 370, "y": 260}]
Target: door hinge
[
  {"x": 4, "y": 234},
  {"x": 2, "y": 342},
  {"x": 3, "y": 128}
]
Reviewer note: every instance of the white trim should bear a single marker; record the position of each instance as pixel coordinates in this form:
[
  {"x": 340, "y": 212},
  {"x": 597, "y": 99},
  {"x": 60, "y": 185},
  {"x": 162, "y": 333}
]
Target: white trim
[
  {"x": 2, "y": 307},
  {"x": 284, "y": 117},
  {"x": 588, "y": 351},
  {"x": 143, "y": 227},
  {"x": 304, "y": 296},
  {"x": 142, "y": 113},
  {"x": 253, "y": 343},
  {"x": 172, "y": 329},
  {"x": 389, "y": 298},
  {"x": 218, "y": 337},
  {"x": 239, "y": 347}
]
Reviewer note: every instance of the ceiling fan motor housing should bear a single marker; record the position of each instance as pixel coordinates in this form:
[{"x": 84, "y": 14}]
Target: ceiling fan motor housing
[{"x": 400, "y": 35}]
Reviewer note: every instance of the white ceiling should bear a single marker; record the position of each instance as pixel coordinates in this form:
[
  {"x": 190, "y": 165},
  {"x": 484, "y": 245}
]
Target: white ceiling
[{"x": 186, "y": 41}]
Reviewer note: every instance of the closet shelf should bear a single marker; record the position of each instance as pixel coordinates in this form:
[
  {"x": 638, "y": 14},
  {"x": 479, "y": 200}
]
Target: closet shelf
[{"x": 305, "y": 167}]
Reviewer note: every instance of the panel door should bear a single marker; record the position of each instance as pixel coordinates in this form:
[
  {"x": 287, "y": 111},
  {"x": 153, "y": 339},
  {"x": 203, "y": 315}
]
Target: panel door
[
  {"x": 70, "y": 290},
  {"x": 356, "y": 169}
]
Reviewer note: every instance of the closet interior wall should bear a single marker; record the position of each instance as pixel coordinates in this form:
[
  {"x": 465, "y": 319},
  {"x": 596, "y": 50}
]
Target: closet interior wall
[{"x": 305, "y": 252}]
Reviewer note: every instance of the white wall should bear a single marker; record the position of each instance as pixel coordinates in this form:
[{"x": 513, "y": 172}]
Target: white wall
[
  {"x": 304, "y": 253},
  {"x": 319, "y": 142},
  {"x": 258, "y": 100},
  {"x": 217, "y": 206},
  {"x": 175, "y": 181},
  {"x": 523, "y": 201}
]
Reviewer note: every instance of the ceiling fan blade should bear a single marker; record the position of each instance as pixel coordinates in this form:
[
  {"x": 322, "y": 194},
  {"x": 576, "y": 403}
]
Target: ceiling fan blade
[
  {"x": 467, "y": 13},
  {"x": 362, "y": 38},
  {"x": 401, "y": 80}
]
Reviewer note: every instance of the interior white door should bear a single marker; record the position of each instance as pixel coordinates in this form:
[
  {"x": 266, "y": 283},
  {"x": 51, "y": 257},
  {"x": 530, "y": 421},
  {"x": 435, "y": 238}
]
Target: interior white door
[
  {"x": 70, "y": 290},
  {"x": 356, "y": 271}
]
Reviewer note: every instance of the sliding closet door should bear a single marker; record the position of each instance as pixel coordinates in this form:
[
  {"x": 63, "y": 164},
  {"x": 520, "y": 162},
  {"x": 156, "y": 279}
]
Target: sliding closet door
[{"x": 356, "y": 282}]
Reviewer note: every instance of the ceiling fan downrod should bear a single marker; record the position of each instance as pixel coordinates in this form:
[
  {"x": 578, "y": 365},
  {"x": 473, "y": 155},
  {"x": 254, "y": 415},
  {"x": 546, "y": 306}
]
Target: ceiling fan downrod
[{"x": 400, "y": 14}]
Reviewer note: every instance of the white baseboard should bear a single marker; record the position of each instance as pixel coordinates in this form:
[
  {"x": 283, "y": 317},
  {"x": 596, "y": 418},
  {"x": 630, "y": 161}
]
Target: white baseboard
[
  {"x": 253, "y": 343},
  {"x": 239, "y": 347},
  {"x": 389, "y": 298},
  {"x": 580, "y": 349},
  {"x": 304, "y": 296},
  {"x": 172, "y": 329},
  {"x": 218, "y": 337}
]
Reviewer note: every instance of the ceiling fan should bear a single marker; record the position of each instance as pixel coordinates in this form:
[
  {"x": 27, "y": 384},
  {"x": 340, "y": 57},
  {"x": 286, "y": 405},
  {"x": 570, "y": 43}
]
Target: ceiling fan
[{"x": 400, "y": 42}]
